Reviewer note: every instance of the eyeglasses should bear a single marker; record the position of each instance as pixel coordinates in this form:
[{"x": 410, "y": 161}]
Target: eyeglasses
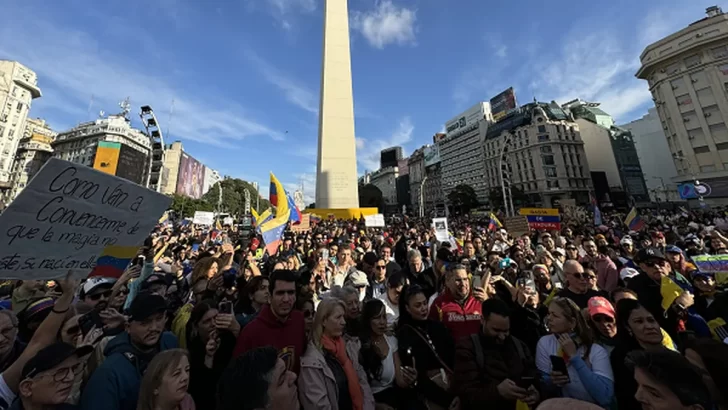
[
  {"x": 581, "y": 276},
  {"x": 654, "y": 262},
  {"x": 98, "y": 296},
  {"x": 60, "y": 374}
]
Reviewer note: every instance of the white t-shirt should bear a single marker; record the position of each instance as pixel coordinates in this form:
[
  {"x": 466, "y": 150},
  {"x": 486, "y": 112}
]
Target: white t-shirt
[
  {"x": 598, "y": 358},
  {"x": 388, "y": 374},
  {"x": 6, "y": 395},
  {"x": 390, "y": 309}
]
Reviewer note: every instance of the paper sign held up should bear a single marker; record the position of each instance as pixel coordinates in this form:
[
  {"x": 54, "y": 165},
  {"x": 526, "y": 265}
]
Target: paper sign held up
[
  {"x": 67, "y": 215},
  {"x": 374, "y": 221},
  {"x": 203, "y": 218}
]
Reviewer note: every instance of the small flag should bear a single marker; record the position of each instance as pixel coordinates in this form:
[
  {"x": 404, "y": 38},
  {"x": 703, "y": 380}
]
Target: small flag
[
  {"x": 272, "y": 232},
  {"x": 276, "y": 192},
  {"x": 113, "y": 261},
  {"x": 295, "y": 213},
  {"x": 494, "y": 224},
  {"x": 633, "y": 220}
]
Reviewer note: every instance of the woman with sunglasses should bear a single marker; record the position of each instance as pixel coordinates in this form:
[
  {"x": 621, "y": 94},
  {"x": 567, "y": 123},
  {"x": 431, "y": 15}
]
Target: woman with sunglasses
[
  {"x": 427, "y": 346},
  {"x": 307, "y": 306},
  {"x": 603, "y": 321},
  {"x": 571, "y": 364}
]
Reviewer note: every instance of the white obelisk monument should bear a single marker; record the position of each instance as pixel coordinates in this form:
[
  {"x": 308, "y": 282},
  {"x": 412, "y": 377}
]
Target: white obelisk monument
[{"x": 336, "y": 178}]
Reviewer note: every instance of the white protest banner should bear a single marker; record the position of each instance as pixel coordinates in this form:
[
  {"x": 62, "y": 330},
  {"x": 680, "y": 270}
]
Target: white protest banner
[
  {"x": 203, "y": 218},
  {"x": 374, "y": 221},
  {"x": 67, "y": 215},
  {"x": 227, "y": 221},
  {"x": 441, "y": 232}
]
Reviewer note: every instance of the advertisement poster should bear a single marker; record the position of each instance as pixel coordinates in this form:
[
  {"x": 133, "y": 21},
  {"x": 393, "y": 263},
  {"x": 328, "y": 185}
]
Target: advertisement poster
[
  {"x": 191, "y": 177},
  {"x": 68, "y": 215},
  {"x": 107, "y": 157},
  {"x": 467, "y": 120},
  {"x": 432, "y": 155},
  {"x": 502, "y": 104}
]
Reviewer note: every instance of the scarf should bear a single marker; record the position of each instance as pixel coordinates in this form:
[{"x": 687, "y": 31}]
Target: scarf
[{"x": 337, "y": 347}]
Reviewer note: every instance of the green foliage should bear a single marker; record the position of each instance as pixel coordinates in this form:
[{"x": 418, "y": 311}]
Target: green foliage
[
  {"x": 233, "y": 199},
  {"x": 371, "y": 197},
  {"x": 463, "y": 197}
]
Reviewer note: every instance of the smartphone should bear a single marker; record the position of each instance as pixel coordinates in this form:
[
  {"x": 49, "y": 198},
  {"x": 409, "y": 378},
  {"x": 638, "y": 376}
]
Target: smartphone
[
  {"x": 525, "y": 382},
  {"x": 477, "y": 281},
  {"x": 558, "y": 364},
  {"x": 140, "y": 260},
  {"x": 89, "y": 321},
  {"x": 195, "y": 247},
  {"x": 405, "y": 357},
  {"x": 225, "y": 307}
]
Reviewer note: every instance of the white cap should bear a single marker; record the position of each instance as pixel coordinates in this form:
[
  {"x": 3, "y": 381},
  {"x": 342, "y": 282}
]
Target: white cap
[
  {"x": 559, "y": 251},
  {"x": 358, "y": 278},
  {"x": 626, "y": 240},
  {"x": 96, "y": 281}
]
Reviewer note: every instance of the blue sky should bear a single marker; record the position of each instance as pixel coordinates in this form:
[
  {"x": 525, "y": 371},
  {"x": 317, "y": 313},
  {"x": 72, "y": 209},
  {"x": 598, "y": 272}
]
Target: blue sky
[{"x": 244, "y": 74}]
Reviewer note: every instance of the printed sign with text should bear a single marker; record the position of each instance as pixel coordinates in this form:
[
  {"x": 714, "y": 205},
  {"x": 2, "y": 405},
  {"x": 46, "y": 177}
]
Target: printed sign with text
[{"x": 67, "y": 215}]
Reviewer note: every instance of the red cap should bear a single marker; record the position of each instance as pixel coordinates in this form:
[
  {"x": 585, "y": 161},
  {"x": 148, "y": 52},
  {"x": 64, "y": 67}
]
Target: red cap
[
  {"x": 600, "y": 306},
  {"x": 254, "y": 243}
]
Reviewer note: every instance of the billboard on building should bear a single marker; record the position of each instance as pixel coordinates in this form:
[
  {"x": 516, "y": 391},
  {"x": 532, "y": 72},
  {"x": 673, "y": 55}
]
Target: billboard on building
[
  {"x": 432, "y": 155},
  {"x": 107, "y": 157},
  {"x": 191, "y": 177},
  {"x": 132, "y": 164},
  {"x": 503, "y": 103},
  {"x": 467, "y": 120}
]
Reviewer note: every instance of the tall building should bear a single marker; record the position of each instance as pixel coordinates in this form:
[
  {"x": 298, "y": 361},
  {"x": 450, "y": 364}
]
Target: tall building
[
  {"x": 461, "y": 151},
  {"x": 170, "y": 170},
  {"x": 425, "y": 180},
  {"x": 18, "y": 88},
  {"x": 610, "y": 149},
  {"x": 687, "y": 73},
  {"x": 108, "y": 144},
  {"x": 416, "y": 167},
  {"x": 545, "y": 154},
  {"x": 654, "y": 156},
  {"x": 390, "y": 157},
  {"x": 34, "y": 149},
  {"x": 336, "y": 186},
  {"x": 386, "y": 180}
]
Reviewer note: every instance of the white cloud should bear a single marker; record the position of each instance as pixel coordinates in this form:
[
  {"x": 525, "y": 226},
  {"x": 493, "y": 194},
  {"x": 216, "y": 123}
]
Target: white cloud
[
  {"x": 386, "y": 24},
  {"x": 367, "y": 152},
  {"x": 72, "y": 64},
  {"x": 296, "y": 93}
]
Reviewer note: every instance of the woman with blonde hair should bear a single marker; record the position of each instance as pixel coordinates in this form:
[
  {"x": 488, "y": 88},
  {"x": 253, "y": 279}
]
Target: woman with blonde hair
[
  {"x": 571, "y": 363},
  {"x": 331, "y": 377},
  {"x": 165, "y": 382}
]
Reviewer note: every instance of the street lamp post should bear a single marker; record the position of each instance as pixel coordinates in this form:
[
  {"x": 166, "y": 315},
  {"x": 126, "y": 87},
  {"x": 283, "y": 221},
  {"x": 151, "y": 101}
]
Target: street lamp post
[
  {"x": 422, "y": 197},
  {"x": 507, "y": 195}
]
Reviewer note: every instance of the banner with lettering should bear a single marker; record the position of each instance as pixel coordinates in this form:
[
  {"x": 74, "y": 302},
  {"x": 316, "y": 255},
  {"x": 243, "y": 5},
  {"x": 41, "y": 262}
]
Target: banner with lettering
[
  {"x": 716, "y": 264},
  {"x": 67, "y": 215}
]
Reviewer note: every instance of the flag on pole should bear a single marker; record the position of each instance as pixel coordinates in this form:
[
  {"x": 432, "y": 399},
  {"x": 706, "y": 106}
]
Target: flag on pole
[
  {"x": 633, "y": 220},
  {"x": 295, "y": 212},
  {"x": 494, "y": 224},
  {"x": 272, "y": 232}
]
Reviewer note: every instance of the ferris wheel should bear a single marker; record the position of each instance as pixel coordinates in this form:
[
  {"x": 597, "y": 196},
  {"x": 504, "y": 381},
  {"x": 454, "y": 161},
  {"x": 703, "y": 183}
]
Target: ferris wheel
[{"x": 156, "y": 160}]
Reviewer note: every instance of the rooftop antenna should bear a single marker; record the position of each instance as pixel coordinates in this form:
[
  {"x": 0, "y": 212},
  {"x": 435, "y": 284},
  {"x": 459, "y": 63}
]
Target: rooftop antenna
[
  {"x": 102, "y": 113},
  {"x": 125, "y": 108}
]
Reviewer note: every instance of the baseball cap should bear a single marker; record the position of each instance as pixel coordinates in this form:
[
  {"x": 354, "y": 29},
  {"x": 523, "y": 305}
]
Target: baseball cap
[
  {"x": 370, "y": 258},
  {"x": 559, "y": 251},
  {"x": 51, "y": 356},
  {"x": 358, "y": 279},
  {"x": 145, "y": 305},
  {"x": 600, "y": 306},
  {"x": 649, "y": 252},
  {"x": 96, "y": 283},
  {"x": 673, "y": 249},
  {"x": 626, "y": 240},
  {"x": 155, "y": 279}
]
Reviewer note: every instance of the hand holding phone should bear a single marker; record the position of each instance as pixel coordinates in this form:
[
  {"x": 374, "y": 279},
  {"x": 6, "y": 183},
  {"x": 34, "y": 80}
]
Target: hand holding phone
[{"x": 559, "y": 372}]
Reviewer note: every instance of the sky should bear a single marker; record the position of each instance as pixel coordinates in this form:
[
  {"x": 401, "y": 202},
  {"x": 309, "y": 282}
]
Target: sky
[{"x": 237, "y": 81}]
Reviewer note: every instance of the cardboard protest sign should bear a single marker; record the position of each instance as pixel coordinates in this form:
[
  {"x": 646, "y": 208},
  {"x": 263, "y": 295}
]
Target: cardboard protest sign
[
  {"x": 68, "y": 214},
  {"x": 203, "y": 218},
  {"x": 517, "y": 225}
]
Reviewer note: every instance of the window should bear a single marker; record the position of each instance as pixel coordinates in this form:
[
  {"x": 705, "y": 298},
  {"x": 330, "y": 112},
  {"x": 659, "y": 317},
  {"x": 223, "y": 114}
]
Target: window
[
  {"x": 548, "y": 160},
  {"x": 692, "y": 61},
  {"x": 701, "y": 150},
  {"x": 707, "y": 168},
  {"x": 541, "y": 128},
  {"x": 578, "y": 159},
  {"x": 550, "y": 172},
  {"x": 542, "y": 138},
  {"x": 721, "y": 146},
  {"x": 720, "y": 52},
  {"x": 552, "y": 184},
  {"x": 19, "y": 108}
]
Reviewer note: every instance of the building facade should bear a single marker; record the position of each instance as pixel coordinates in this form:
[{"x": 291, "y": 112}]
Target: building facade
[
  {"x": 462, "y": 157},
  {"x": 34, "y": 149},
  {"x": 386, "y": 180},
  {"x": 170, "y": 170},
  {"x": 687, "y": 73},
  {"x": 18, "y": 88},
  {"x": 390, "y": 157},
  {"x": 416, "y": 166},
  {"x": 654, "y": 156},
  {"x": 545, "y": 154},
  {"x": 120, "y": 147}
]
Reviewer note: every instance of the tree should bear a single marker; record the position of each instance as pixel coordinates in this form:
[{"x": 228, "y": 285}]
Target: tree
[
  {"x": 186, "y": 207},
  {"x": 520, "y": 199},
  {"x": 233, "y": 196},
  {"x": 463, "y": 197},
  {"x": 312, "y": 205},
  {"x": 371, "y": 197}
]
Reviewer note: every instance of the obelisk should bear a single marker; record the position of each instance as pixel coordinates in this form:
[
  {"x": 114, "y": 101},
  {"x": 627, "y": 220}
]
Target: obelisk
[{"x": 336, "y": 178}]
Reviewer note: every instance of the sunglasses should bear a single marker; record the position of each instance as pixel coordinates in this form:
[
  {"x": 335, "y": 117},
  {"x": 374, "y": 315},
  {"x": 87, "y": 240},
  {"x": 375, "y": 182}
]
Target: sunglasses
[
  {"x": 97, "y": 296},
  {"x": 653, "y": 263},
  {"x": 380, "y": 267},
  {"x": 571, "y": 248},
  {"x": 581, "y": 276}
]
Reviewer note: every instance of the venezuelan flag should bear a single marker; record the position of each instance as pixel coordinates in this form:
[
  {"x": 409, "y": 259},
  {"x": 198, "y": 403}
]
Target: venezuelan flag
[
  {"x": 277, "y": 191},
  {"x": 113, "y": 261},
  {"x": 255, "y": 214},
  {"x": 295, "y": 212},
  {"x": 494, "y": 224},
  {"x": 669, "y": 291},
  {"x": 633, "y": 220},
  {"x": 272, "y": 232}
]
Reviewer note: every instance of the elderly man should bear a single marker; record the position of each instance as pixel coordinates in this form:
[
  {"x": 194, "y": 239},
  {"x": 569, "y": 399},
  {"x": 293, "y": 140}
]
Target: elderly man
[{"x": 577, "y": 285}]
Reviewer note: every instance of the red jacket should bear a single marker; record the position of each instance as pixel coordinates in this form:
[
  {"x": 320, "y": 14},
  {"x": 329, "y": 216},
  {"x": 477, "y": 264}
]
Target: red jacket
[
  {"x": 288, "y": 337},
  {"x": 460, "y": 320}
]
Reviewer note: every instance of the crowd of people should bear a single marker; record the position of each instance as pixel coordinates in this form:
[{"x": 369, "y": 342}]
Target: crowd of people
[{"x": 345, "y": 317}]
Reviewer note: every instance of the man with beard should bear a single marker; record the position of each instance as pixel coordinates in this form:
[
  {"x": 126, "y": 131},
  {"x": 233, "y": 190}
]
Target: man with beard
[
  {"x": 492, "y": 368},
  {"x": 115, "y": 384},
  {"x": 456, "y": 308},
  {"x": 277, "y": 324}
]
